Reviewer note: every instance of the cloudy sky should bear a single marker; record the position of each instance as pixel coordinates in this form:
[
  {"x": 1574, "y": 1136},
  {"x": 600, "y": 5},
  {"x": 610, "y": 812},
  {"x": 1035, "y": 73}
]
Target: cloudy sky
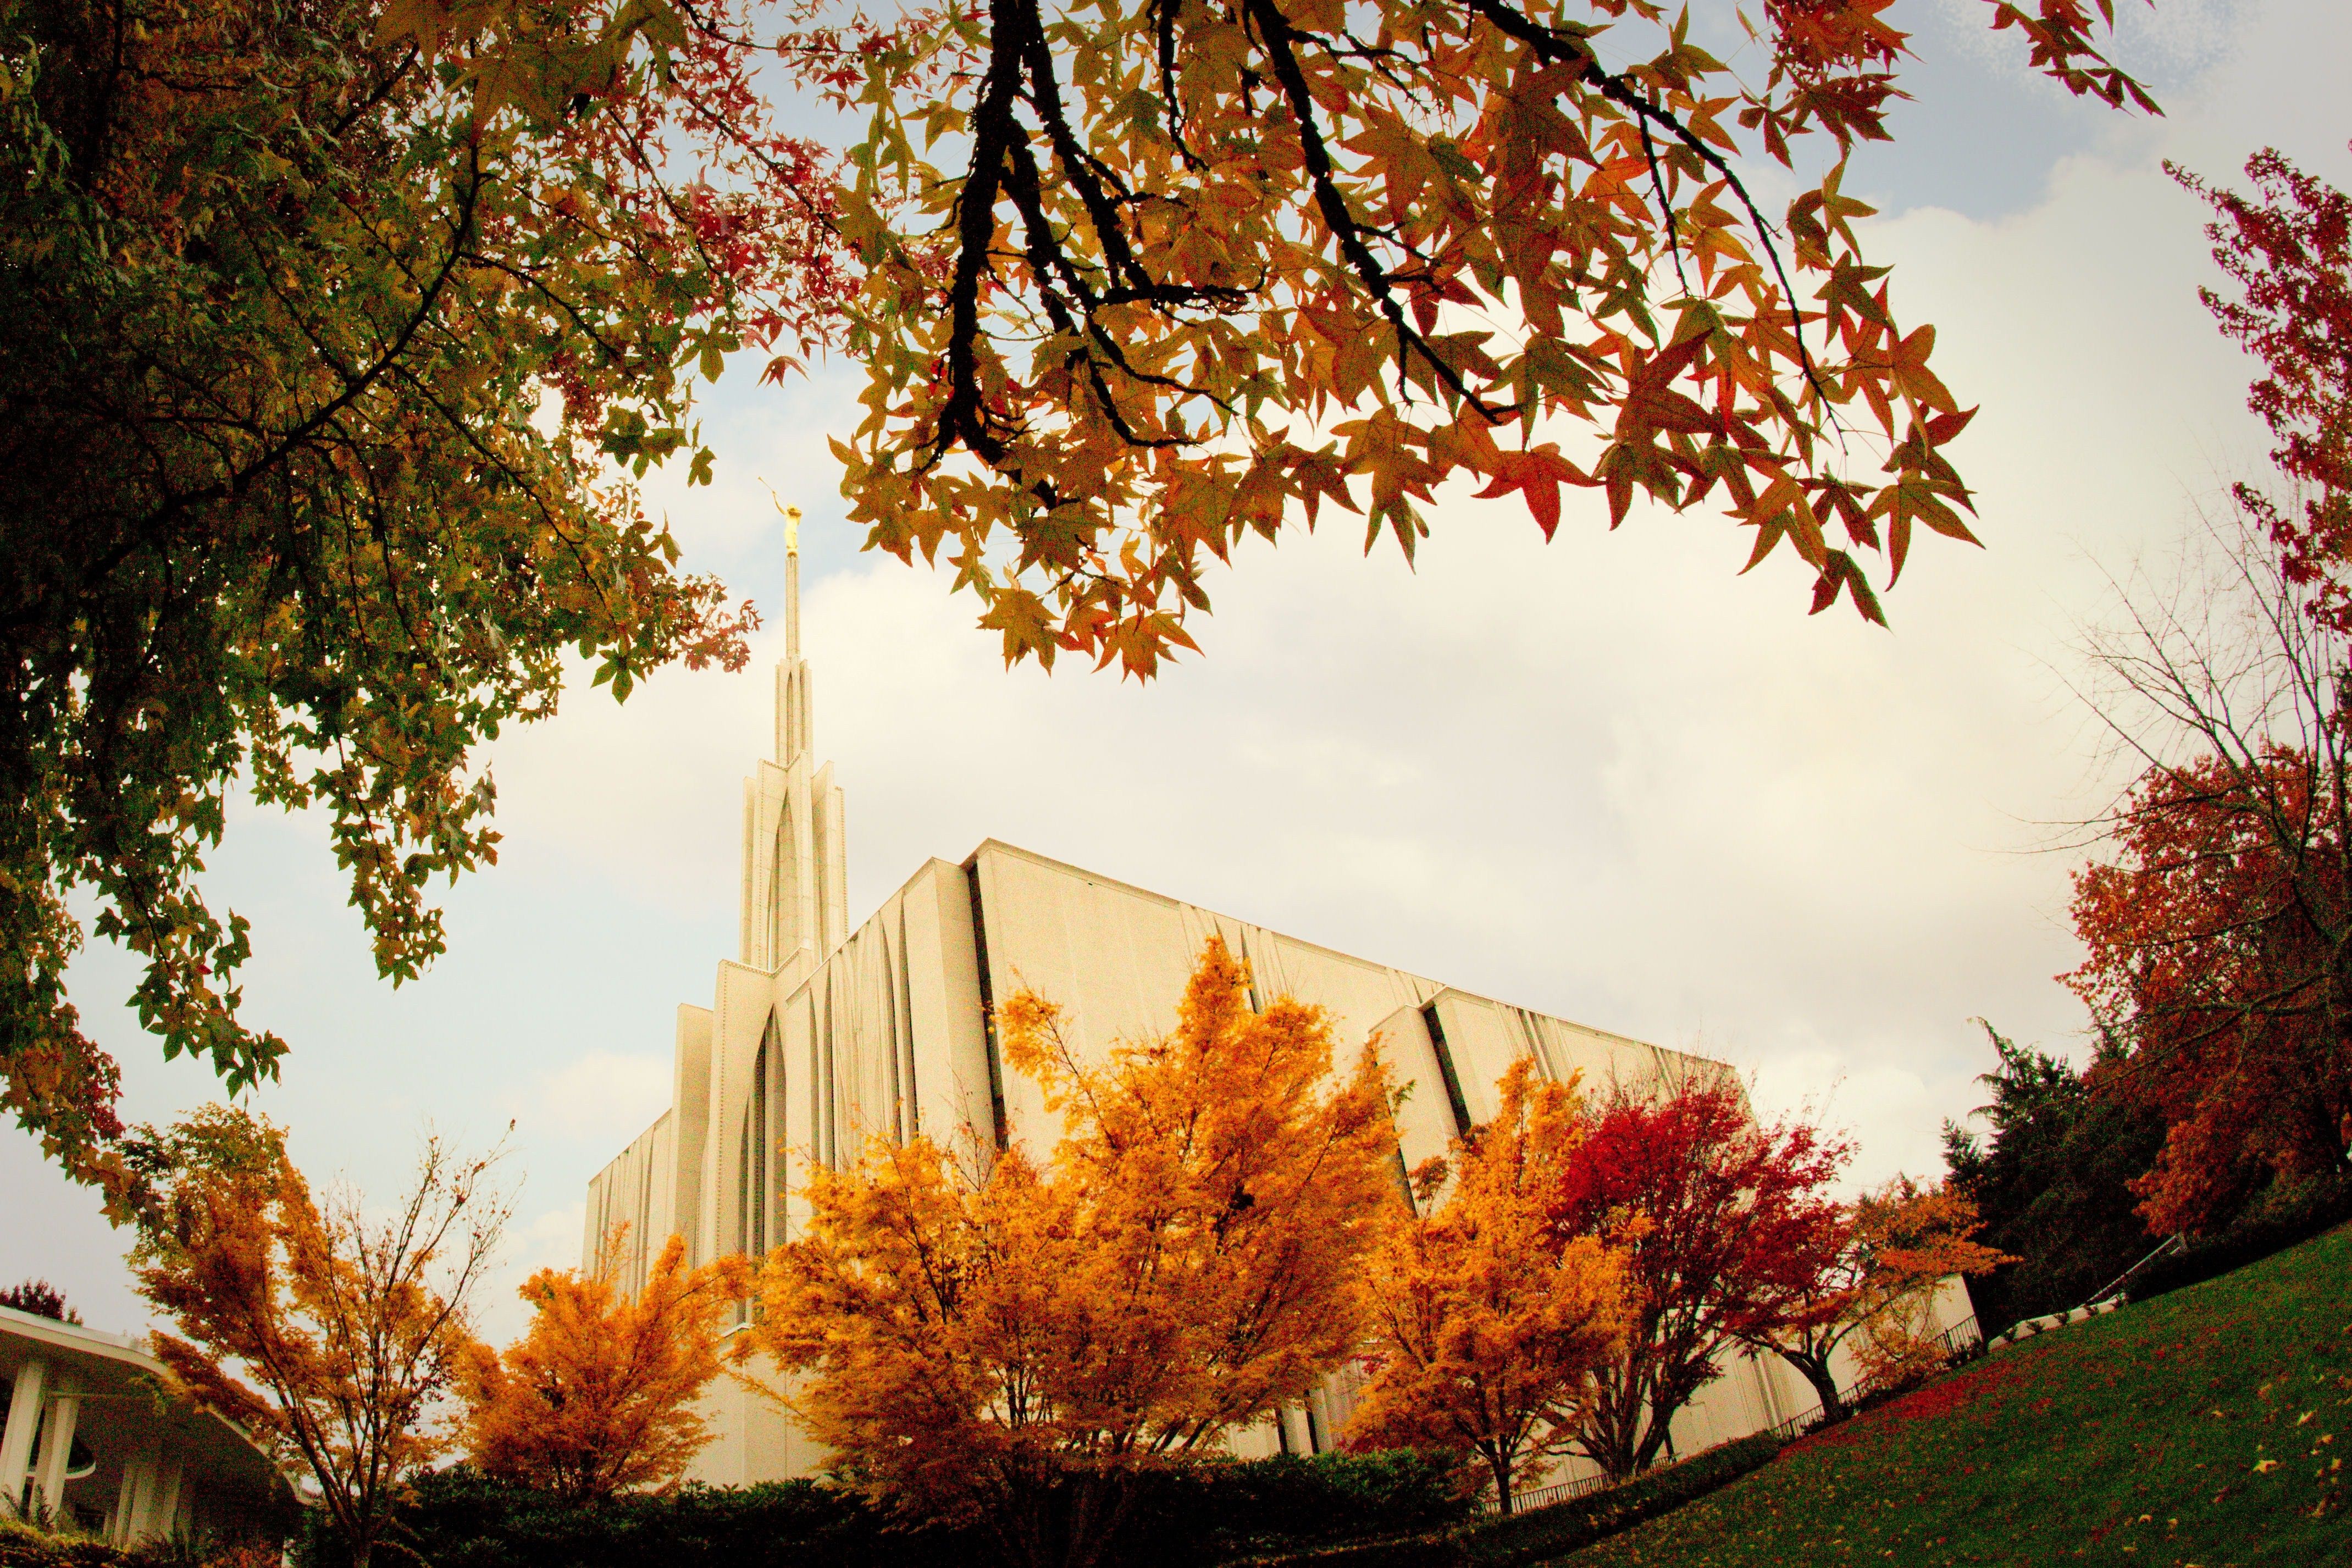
[{"x": 1606, "y": 778}]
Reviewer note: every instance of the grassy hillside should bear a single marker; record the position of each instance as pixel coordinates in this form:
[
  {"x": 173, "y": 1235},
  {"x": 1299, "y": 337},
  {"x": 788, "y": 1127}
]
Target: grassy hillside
[{"x": 2207, "y": 1428}]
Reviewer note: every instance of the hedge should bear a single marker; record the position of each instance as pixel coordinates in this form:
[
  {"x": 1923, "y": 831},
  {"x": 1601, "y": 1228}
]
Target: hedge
[
  {"x": 2282, "y": 1217},
  {"x": 1395, "y": 1510},
  {"x": 459, "y": 1518},
  {"x": 1187, "y": 1515},
  {"x": 1541, "y": 1534},
  {"x": 1225, "y": 1509}
]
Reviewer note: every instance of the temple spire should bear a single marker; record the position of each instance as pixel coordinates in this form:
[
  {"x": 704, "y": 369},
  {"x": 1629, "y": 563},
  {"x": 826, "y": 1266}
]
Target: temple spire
[
  {"x": 792, "y": 583},
  {"x": 795, "y": 895},
  {"x": 792, "y": 675}
]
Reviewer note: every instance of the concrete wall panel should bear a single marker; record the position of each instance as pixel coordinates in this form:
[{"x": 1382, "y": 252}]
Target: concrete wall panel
[
  {"x": 1424, "y": 1123},
  {"x": 636, "y": 1191},
  {"x": 690, "y": 1129}
]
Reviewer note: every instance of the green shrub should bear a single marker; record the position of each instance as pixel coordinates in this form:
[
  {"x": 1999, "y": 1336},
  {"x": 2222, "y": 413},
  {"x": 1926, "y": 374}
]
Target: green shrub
[
  {"x": 1217, "y": 1510},
  {"x": 22, "y": 1546},
  {"x": 459, "y": 1518},
  {"x": 2281, "y": 1217},
  {"x": 1555, "y": 1531},
  {"x": 1185, "y": 1516}
]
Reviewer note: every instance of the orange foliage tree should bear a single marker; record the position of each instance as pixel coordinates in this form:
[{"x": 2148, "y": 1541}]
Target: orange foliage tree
[
  {"x": 598, "y": 1396},
  {"x": 1873, "y": 1275},
  {"x": 1487, "y": 1327},
  {"x": 1202, "y": 267},
  {"x": 333, "y": 1336},
  {"x": 1013, "y": 1348}
]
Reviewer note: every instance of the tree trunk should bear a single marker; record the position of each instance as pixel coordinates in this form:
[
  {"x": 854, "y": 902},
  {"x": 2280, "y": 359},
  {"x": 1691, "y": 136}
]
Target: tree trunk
[
  {"x": 1645, "y": 1456},
  {"x": 1816, "y": 1369},
  {"x": 1499, "y": 1461},
  {"x": 1053, "y": 1515},
  {"x": 1612, "y": 1422}
]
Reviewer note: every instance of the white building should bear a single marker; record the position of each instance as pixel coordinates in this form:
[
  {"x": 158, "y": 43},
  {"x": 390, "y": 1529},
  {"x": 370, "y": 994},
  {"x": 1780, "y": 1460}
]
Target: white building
[
  {"x": 818, "y": 1036},
  {"x": 90, "y": 1442}
]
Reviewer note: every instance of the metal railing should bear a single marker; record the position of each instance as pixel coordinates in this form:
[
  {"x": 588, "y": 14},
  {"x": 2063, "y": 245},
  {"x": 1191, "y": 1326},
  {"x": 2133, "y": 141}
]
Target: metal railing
[
  {"x": 1563, "y": 1492},
  {"x": 2176, "y": 1242},
  {"x": 1962, "y": 1343}
]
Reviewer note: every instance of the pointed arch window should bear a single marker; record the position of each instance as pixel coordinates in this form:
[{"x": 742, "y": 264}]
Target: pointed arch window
[
  {"x": 784, "y": 894},
  {"x": 755, "y": 1187}
]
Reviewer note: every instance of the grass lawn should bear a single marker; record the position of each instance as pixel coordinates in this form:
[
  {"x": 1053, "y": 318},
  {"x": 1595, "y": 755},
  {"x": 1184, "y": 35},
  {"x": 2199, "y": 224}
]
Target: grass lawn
[{"x": 2206, "y": 1428}]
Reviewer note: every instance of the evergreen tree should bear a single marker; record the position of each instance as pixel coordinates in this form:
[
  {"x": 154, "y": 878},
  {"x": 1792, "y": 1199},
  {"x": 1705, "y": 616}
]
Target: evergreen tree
[
  {"x": 2051, "y": 1181},
  {"x": 41, "y": 1298}
]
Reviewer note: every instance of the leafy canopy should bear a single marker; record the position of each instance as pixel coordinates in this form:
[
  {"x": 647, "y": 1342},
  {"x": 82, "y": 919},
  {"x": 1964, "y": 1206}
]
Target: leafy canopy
[
  {"x": 39, "y": 1298},
  {"x": 2050, "y": 1177},
  {"x": 2217, "y": 930},
  {"x": 2288, "y": 247},
  {"x": 597, "y": 1398},
  {"x": 2215, "y": 940},
  {"x": 1144, "y": 277},
  {"x": 1721, "y": 1223},
  {"x": 319, "y": 365},
  {"x": 1488, "y": 1328},
  {"x": 1881, "y": 1273},
  {"x": 1012, "y": 1348}
]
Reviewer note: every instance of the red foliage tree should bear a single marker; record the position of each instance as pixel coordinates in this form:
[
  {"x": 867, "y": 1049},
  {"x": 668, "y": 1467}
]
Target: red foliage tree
[
  {"x": 1725, "y": 1225},
  {"x": 1870, "y": 1281},
  {"x": 2290, "y": 248},
  {"x": 2220, "y": 959},
  {"x": 2219, "y": 938}
]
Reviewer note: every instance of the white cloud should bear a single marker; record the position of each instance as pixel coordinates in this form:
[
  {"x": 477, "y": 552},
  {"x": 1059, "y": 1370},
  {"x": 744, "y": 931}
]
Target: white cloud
[
  {"x": 2175, "y": 37},
  {"x": 604, "y": 1096}
]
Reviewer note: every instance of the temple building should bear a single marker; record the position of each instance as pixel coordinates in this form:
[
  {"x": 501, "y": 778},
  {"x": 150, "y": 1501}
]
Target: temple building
[{"x": 819, "y": 1035}]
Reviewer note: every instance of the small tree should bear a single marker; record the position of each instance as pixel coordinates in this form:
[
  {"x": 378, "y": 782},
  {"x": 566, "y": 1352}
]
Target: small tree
[
  {"x": 1723, "y": 1224},
  {"x": 1880, "y": 1268},
  {"x": 1013, "y": 1348},
  {"x": 1487, "y": 1328},
  {"x": 598, "y": 1396},
  {"x": 329, "y": 1335}
]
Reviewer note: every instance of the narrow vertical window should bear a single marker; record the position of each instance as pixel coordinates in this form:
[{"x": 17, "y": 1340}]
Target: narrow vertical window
[
  {"x": 756, "y": 1122},
  {"x": 1453, "y": 1099},
  {"x": 784, "y": 894},
  {"x": 987, "y": 1009}
]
